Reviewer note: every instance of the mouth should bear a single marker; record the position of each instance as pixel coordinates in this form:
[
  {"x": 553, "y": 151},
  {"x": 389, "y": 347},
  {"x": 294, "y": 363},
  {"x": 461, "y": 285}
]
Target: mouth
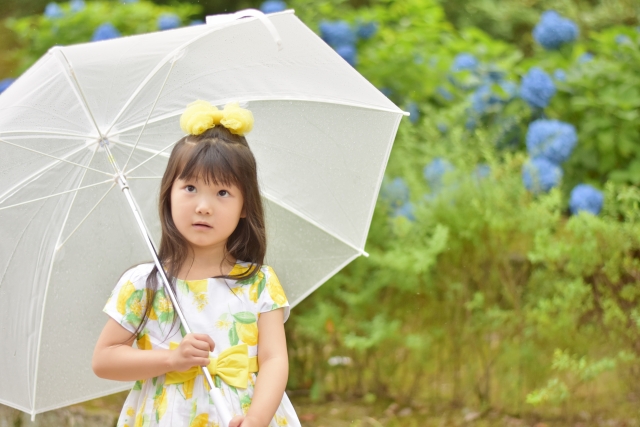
[{"x": 201, "y": 225}]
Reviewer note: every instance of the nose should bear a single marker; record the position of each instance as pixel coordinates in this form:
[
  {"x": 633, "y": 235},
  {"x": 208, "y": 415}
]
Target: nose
[{"x": 204, "y": 206}]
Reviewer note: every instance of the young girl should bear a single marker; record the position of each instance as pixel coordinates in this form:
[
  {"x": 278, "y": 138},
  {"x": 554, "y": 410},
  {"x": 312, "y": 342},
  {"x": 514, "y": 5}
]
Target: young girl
[{"x": 212, "y": 248}]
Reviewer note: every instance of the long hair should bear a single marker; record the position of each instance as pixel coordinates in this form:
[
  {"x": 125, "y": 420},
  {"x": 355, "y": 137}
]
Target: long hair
[{"x": 216, "y": 156}]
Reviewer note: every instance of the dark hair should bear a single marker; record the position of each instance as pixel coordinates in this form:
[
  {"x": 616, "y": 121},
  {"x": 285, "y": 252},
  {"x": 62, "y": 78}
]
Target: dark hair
[{"x": 220, "y": 157}]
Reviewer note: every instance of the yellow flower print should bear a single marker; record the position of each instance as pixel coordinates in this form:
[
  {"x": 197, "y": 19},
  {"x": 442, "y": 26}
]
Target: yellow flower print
[
  {"x": 201, "y": 420},
  {"x": 130, "y": 411},
  {"x": 201, "y": 301},
  {"x": 140, "y": 418},
  {"x": 124, "y": 294},
  {"x": 198, "y": 286},
  {"x": 164, "y": 305},
  {"x": 248, "y": 333},
  {"x": 281, "y": 421},
  {"x": 144, "y": 342},
  {"x": 275, "y": 289},
  {"x": 223, "y": 324},
  {"x": 160, "y": 404},
  {"x": 238, "y": 290},
  {"x": 137, "y": 308}
]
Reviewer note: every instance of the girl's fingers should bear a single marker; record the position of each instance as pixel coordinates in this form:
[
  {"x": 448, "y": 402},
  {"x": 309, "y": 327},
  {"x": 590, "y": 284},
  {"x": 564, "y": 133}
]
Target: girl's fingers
[
  {"x": 205, "y": 339},
  {"x": 236, "y": 421}
]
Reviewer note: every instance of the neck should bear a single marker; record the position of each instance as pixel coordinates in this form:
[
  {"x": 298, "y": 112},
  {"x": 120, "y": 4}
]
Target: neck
[{"x": 207, "y": 262}]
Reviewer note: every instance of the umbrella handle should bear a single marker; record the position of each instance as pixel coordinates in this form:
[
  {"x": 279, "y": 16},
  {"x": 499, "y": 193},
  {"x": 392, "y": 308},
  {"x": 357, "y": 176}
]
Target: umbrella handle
[{"x": 255, "y": 13}]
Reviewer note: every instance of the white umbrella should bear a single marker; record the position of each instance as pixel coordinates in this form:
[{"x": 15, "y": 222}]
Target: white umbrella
[{"x": 86, "y": 118}]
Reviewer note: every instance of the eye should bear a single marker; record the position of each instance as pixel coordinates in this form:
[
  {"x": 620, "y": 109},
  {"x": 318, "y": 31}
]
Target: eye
[
  {"x": 223, "y": 193},
  {"x": 190, "y": 189}
]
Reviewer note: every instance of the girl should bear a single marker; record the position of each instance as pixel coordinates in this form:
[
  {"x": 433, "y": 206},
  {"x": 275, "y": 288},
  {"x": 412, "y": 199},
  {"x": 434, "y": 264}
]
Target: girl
[{"x": 213, "y": 246}]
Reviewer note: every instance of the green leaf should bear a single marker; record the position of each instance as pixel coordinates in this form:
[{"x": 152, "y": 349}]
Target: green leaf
[
  {"x": 182, "y": 286},
  {"x": 138, "y": 385},
  {"x": 245, "y": 317},
  {"x": 233, "y": 335},
  {"x": 218, "y": 381},
  {"x": 154, "y": 380},
  {"x": 261, "y": 286},
  {"x": 233, "y": 389}
]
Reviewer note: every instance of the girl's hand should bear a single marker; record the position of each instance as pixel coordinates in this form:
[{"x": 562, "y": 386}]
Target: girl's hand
[
  {"x": 240, "y": 421},
  {"x": 193, "y": 351}
]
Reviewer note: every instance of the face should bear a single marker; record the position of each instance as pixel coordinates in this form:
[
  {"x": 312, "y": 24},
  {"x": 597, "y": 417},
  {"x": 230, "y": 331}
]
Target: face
[{"x": 205, "y": 214}]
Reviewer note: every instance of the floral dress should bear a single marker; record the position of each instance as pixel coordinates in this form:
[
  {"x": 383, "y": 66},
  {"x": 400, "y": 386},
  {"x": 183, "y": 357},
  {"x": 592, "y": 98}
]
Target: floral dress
[{"x": 228, "y": 311}]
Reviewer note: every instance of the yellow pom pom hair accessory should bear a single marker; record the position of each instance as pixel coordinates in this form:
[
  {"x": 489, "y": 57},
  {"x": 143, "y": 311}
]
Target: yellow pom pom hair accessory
[{"x": 201, "y": 115}]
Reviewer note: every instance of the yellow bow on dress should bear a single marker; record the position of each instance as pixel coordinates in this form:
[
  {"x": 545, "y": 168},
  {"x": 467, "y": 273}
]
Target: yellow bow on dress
[{"x": 233, "y": 366}]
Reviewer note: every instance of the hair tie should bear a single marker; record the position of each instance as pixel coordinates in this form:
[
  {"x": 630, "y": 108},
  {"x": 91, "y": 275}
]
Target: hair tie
[{"x": 201, "y": 116}]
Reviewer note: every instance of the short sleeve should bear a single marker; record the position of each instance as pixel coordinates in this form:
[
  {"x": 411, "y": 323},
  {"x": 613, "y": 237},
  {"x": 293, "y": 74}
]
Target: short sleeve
[
  {"x": 127, "y": 302},
  {"x": 273, "y": 296}
]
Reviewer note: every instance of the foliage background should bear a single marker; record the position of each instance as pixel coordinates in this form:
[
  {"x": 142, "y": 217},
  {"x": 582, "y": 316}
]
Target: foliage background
[{"x": 478, "y": 294}]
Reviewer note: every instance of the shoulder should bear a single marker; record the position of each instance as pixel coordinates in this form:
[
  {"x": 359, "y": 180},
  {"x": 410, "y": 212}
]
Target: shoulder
[{"x": 137, "y": 274}]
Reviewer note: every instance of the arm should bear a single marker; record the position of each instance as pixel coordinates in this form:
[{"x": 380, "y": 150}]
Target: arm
[
  {"x": 274, "y": 370},
  {"x": 114, "y": 357}
]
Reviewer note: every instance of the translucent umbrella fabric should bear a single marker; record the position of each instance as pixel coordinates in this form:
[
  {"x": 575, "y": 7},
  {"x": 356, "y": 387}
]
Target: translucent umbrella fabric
[{"x": 322, "y": 138}]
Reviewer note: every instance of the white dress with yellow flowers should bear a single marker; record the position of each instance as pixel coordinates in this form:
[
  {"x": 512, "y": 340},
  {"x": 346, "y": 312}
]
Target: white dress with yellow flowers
[{"x": 228, "y": 311}]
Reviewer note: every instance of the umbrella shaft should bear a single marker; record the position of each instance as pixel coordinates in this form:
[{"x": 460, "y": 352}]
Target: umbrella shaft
[{"x": 124, "y": 186}]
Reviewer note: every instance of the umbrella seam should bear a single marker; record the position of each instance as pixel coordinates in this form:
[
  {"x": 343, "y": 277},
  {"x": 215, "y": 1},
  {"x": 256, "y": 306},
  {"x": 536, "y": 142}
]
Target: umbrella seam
[
  {"x": 312, "y": 222},
  {"x": 380, "y": 178},
  {"x": 259, "y": 99},
  {"x": 34, "y": 176},
  {"x": 70, "y": 75}
]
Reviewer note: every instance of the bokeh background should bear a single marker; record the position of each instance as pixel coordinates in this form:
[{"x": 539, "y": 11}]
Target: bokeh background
[{"x": 503, "y": 285}]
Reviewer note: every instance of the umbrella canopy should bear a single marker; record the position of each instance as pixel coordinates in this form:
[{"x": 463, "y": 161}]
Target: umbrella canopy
[{"x": 322, "y": 138}]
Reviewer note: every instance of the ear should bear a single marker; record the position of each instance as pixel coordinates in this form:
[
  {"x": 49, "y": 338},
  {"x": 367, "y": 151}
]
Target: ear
[{"x": 243, "y": 213}]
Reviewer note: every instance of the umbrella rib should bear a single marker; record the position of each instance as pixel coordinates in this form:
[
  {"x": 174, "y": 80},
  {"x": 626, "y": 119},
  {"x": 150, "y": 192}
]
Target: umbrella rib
[
  {"x": 36, "y": 174},
  {"x": 75, "y": 195},
  {"x": 314, "y": 223},
  {"x": 156, "y": 154},
  {"x": 56, "y": 194},
  {"x": 83, "y": 99},
  {"x": 35, "y": 132},
  {"x": 54, "y": 157},
  {"x": 149, "y": 115},
  {"x": 86, "y": 216}
]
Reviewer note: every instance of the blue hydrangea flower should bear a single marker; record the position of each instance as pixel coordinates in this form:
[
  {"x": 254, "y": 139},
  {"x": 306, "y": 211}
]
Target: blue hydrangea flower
[
  {"x": 4, "y": 84},
  {"x": 537, "y": 88},
  {"x": 442, "y": 128},
  {"x": 395, "y": 192},
  {"x": 443, "y": 92},
  {"x": 105, "y": 31},
  {"x": 348, "y": 53},
  {"x": 484, "y": 98},
  {"x": 273, "y": 6},
  {"x": 168, "y": 21},
  {"x": 482, "y": 171},
  {"x": 622, "y": 39},
  {"x": 53, "y": 10},
  {"x": 337, "y": 33},
  {"x": 551, "y": 139},
  {"x": 560, "y": 75},
  {"x": 585, "y": 198},
  {"x": 470, "y": 123},
  {"x": 386, "y": 91},
  {"x": 407, "y": 210},
  {"x": 435, "y": 170},
  {"x": 366, "y": 30},
  {"x": 540, "y": 175},
  {"x": 464, "y": 61},
  {"x": 553, "y": 30},
  {"x": 77, "y": 5},
  {"x": 585, "y": 57},
  {"x": 129, "y": 1},
  {"x": 414, "y": 112}
]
